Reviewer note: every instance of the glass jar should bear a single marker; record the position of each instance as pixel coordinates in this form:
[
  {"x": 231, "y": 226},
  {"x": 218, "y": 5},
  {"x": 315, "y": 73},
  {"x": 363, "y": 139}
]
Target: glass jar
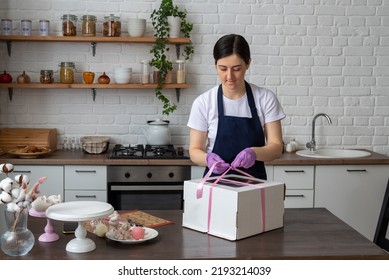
[
  {"x": 88, "y": 25},
  {"x": 69, "y": 24},
  {"x": 25, "y": 27},
  {"x": 66, "y": 73},
  {"x": 112, "y": 27},
  {"x": 47, "y": 77},
  {"x": 6, "y": 27},
  {"x": 180, "y": 71},
  {"x": 145, "y": 79}
]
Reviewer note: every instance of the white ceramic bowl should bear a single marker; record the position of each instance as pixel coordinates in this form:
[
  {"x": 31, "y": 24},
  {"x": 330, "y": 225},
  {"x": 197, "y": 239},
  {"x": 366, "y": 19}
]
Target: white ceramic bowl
[
  {"x": 122, "y": 75},
  {"x": 136, "y": 27}
]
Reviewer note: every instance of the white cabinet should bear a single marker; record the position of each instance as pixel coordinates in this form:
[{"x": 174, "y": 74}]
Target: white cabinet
[
  {"x": 354, "y": 193},
  {"x": 196, "y": 172},
  {"x": 54, "y": 184},
  {"x": 299, "y": 181},
  {"x": 84, "y": 182}
]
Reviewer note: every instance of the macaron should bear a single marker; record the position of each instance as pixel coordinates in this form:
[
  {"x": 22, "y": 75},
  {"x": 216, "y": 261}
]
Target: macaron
[{"x": 138, "y": 233}]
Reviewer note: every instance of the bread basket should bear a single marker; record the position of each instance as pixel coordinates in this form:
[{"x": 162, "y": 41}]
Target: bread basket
[{"x": 95, "y": 144}]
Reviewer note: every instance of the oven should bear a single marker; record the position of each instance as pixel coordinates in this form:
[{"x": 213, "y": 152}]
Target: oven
[{"x": 147, "y": 187}]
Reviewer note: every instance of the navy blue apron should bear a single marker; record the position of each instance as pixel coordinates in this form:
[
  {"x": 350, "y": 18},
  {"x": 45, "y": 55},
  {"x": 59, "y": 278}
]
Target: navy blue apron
[{"x": 235, "y": 134}]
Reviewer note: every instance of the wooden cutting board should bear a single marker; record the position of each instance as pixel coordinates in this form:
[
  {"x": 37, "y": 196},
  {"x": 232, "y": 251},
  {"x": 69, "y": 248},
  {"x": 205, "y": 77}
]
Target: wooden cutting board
[{"x": 13, "y": 138}]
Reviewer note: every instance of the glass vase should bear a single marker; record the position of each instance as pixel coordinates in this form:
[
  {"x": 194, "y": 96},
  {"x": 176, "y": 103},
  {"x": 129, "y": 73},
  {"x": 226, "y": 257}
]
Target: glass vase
[{"x": 18, "y": 240}]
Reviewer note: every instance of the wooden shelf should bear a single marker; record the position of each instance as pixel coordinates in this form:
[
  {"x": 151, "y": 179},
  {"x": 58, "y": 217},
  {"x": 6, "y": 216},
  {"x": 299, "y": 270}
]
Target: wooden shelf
[
  {"x": 90, "y": 86},
  {"x": 97, "y": 39},
  {"x": 8, "y": 39},
  {"x": 93, "y": 40},
  {"x": 93, "y": 87}
]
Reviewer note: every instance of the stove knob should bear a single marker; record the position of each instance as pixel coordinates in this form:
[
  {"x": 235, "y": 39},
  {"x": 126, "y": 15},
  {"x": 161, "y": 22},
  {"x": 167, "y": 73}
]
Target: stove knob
[
  {"x": 149, "y": 175},
  {"x": 127, "y": 175},
  {"x": 171, "y": 175}
]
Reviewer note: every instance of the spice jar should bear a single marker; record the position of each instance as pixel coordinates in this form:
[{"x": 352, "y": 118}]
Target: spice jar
[
  {"x": 66, "y": 72},
  {"x": 44, "y": 27},
  {"x": 25, "y": 27},
  {"x": 69, "y": 23},
  {"x": 112, "y": 27},
  {"x": 180, "y": 71},
  {"x": 6, "y": 27},
  {"x": 47, "y": 77},
  {"x": 88, "y": 25}
]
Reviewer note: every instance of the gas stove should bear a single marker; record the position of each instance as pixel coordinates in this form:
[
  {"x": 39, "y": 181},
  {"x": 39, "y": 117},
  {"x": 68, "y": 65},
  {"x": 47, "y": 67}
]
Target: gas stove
[{"x": 148, "y": 152}]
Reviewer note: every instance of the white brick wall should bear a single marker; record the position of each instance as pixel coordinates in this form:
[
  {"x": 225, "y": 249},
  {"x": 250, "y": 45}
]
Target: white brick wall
[{"x": 318, "y": 56}]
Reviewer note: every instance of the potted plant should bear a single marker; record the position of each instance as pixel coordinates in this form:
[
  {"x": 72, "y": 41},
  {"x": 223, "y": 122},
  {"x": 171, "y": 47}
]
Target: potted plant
[{"x": 160, "y": 49}]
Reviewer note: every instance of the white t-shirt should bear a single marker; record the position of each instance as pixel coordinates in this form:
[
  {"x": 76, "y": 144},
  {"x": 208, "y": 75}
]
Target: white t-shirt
[{"x": 204, "y": 114}]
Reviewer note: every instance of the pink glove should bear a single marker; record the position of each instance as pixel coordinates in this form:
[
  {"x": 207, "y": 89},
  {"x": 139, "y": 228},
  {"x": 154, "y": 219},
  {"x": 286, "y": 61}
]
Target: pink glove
[
  {"x": 245, "y": 159},
  {"x": 221, "y": 165}
]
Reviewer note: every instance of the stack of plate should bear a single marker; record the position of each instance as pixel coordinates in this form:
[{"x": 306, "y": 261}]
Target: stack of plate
[{"x": 136, "y": 27}]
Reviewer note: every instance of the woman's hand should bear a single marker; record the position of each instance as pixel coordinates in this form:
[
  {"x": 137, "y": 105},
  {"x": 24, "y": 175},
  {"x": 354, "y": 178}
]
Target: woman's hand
[
  {"x": 220, "y": 166},
  {"x": 245, "y": 159}
]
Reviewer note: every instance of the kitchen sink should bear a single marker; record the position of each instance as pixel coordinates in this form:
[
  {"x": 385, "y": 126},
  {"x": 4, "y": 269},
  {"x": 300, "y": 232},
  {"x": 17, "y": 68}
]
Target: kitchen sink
[{"x": 333, "y": 153}]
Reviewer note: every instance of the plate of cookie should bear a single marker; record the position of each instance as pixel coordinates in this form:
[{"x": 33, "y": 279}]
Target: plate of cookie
[{"x": 30, "y": 151}]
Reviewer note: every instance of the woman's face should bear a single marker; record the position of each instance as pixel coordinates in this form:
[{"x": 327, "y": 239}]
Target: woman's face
[{"x": 231, "y": 70}]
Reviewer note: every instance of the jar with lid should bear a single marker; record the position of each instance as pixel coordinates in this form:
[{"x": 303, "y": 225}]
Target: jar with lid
[
  {"x": 88, "y": 25},
  {"x": 6, "y": 27},
  {"x": 69, "y": 25},
  {"x": 66, "y": 72},
  {"x": 25, "y": 27},
  {"x": 44, "y": 27},
  {"x": 180, "y": 71},
  {"x": 47, "y": 77},
  {"x": 112, "y": 27}
]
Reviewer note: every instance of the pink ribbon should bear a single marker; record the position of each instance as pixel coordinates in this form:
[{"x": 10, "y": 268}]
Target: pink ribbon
[{"x": 200, "y": 187}]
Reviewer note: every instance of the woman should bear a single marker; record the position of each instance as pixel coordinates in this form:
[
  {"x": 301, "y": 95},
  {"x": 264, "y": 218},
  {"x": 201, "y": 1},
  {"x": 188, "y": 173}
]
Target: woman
[{"x": 235, "y": 124}]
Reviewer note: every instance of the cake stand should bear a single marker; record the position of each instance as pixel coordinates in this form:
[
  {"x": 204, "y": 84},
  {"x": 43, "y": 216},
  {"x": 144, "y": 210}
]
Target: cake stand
[
  {"x": 79, "y": 211},
  {"x": 49, "y": 235}
]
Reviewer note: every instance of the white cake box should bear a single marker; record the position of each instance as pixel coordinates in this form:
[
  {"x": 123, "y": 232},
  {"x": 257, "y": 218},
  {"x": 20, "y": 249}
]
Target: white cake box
[{"x": 234, "y": 209}]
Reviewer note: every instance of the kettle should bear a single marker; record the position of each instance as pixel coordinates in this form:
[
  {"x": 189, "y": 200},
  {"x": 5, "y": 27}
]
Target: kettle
[{"x": 157, "y": 133}]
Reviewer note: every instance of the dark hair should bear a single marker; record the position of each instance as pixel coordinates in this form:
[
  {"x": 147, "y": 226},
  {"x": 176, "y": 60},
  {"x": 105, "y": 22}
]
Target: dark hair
[{"x": 232, "y": 44}]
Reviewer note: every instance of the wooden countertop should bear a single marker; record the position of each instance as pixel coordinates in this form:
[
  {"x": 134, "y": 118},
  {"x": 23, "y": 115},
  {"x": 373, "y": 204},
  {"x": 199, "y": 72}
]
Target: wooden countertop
[
  {"x": 307, "y": 234},
  {"x": 61, "y": 157}
]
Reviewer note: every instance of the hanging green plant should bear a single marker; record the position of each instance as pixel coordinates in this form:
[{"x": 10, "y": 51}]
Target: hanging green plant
[{"x": 160, "y": 49}]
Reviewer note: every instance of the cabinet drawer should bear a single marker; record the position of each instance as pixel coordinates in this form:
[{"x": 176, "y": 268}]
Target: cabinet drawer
[
  {"x": 299, "y": 199},
  {"x": 295, "y": 177},
  {"x": 81, "y": 177},
  {"x": 85, "y": 195}
]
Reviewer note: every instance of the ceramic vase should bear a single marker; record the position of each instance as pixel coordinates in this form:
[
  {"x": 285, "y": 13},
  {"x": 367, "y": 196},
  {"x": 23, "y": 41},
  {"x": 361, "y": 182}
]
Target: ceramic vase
[{"x": 18, "y": 240}]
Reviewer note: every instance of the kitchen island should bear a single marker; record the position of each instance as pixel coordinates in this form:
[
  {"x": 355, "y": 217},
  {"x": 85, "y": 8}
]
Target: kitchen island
[{"x": 307, "y": 234}]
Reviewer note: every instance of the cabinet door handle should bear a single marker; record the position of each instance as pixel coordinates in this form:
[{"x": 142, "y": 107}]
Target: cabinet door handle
[
  {"x": 85, "y": 171},
  {"x": 85, "y": 196},
  {"x": 294, "y": 171},
  {"x": 22, "y": 171},
  {"x": 294, "y": 195},
  {"x": 356, "y": 170}
]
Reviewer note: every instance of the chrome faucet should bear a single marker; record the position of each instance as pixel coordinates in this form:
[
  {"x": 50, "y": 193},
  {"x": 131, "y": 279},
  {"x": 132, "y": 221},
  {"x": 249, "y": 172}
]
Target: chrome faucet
[{"x": 312, "y": 144}]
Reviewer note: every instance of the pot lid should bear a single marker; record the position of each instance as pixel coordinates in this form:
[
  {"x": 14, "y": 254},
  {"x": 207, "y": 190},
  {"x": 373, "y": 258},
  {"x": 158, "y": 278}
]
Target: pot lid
[{"x": 158, "y": 121}]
